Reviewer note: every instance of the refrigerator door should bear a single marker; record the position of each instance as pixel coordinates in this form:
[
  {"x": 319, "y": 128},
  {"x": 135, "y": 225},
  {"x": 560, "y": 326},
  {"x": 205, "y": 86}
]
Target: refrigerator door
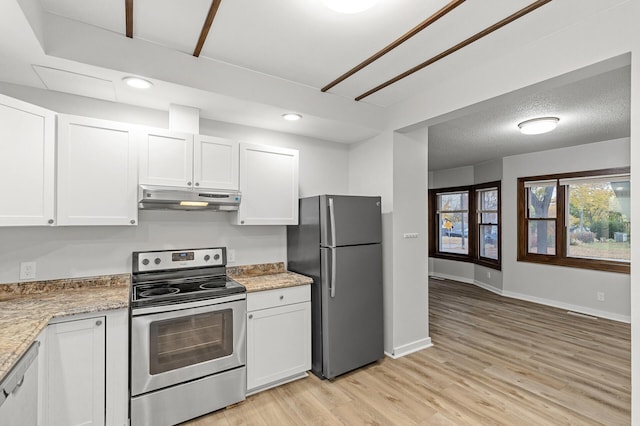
[
  {"x": 350, "y": 220},
  {"x": 352, "y": 329}
]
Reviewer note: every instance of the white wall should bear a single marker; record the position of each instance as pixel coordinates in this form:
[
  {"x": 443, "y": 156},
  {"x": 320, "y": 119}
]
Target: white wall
[
  {"x": 410, "y": 276},
  {"x": 63, "y": 252},
  {"x": 561, "y": 286},
  {"x": 394, "y": 166}
]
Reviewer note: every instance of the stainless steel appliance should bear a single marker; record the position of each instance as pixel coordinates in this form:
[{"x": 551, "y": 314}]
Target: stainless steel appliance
[
  {"x": 171, "y": 198},
  {"x": 188, "y": 336},
  {"x": 338, "y": 243}
]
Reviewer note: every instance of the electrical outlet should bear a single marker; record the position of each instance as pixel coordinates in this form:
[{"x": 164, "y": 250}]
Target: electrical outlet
[
  {"x": 231, "y": 255},
  {"x": 600, "y": 296},
  {"x": 410, "y": 235},
  {"x": 27, "y": 270}
]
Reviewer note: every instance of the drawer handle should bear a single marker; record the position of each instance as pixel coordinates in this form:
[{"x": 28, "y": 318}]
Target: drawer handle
[
  {"x": 281, "y": 297},
  {"x": 98, "y": 323},
  {"x": 250, "y": 316}
]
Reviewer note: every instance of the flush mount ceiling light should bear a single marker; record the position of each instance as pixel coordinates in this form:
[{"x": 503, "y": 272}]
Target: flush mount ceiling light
[
  {"x": 138, "y": 83},
  {"x": 291, "y": 116},
  {"x": 349, "y": 6},
  {"x": 537, "y": 126}
]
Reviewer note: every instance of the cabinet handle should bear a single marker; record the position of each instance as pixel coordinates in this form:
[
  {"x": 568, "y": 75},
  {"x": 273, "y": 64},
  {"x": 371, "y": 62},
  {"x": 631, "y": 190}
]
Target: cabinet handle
[
  {"x": 99, "y": 323},
  {"x": 189, "y": 183},
  {"x": 242, "y": 222},
  {"x": 133, "y": 222},
  {"x": 281, "y": 297},
  {"x": 50, "y": 221},
  {"x": 197, "y": 183},
  {"x": 250, "y": 316}
]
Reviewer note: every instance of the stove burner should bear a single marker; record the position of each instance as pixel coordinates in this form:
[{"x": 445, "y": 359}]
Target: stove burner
[
  {"x": 162, "y": 291},
  {"x": 215, "y": 284}
]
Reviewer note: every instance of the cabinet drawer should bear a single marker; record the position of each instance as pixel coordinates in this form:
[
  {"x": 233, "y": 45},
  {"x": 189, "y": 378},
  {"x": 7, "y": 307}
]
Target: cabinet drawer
[{"x": 279, "y": 297}]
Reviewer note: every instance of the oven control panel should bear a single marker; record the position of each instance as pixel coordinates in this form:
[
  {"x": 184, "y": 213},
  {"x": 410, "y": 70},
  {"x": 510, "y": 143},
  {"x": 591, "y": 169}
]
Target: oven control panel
[{"x": 178, "y": 259}]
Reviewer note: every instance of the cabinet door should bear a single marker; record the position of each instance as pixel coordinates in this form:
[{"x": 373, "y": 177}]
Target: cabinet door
[
  {"x": 27, "y": 163},
  {"x": 166, "y": 158},
  {"x": 97, "y": 172},
  {"x": 278, "y": 344},
  {"x": 76, "y": 372},
  {"x": 215, "y": 163},
  {"x": 269, "y": 186}
]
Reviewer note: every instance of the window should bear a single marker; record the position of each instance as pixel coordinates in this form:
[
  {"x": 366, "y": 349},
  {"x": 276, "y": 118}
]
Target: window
[
  {"x": 579, "y": 220},
  {"x": 488, "y": 222},
  {"x": 453, "y": 216},
  {"x": 458, "y": 233}
]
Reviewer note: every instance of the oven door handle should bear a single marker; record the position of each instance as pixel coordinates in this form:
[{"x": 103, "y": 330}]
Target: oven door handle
[{"x": 187, "y": 305}]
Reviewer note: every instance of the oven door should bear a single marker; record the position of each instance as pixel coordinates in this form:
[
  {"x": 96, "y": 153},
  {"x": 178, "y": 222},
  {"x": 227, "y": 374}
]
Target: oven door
[{"x": 186, "y": 341}]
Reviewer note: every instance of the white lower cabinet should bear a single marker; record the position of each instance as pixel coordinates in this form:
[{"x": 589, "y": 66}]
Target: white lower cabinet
[
  {"x": 84, "y": 374},
  {"x": 76, "y": 370},
  {"x": 278, "y": 336}
]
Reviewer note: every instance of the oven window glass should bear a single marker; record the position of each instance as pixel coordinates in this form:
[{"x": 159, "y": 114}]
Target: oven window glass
[{"x": 180, "y": 342}]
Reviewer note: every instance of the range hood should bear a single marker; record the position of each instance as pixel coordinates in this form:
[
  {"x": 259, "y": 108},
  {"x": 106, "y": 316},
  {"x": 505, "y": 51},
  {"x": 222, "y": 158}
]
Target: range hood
[{"x": 170, "y": 198}]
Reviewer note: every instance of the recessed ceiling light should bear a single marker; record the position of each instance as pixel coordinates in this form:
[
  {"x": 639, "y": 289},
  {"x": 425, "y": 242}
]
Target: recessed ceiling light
[
  {"x": 291, "y": 116},
  {"x": 138, "y": 83},
  {"x": 349, "y": 6},
  {"x": 537, "y": 126}
]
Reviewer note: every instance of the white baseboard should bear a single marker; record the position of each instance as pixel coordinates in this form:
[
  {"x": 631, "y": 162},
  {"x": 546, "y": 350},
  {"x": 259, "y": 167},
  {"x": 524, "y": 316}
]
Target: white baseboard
[
  {"x": 410, "y": 348},
  {"x": 540, "y": 300},
  {"x": 569, "y": 307},
  {"x": 453, "y": 278}
]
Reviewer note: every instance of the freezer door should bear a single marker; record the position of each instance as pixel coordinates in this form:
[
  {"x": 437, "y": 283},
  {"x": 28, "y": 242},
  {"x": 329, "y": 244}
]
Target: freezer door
[
  {"x": 352, "y": 329},
  {"x": 350, "y": 220}
]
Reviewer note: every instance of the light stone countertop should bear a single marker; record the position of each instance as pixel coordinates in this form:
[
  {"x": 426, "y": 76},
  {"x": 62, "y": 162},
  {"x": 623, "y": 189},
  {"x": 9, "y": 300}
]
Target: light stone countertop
[
  {"x": 27, "y": 308},
  {"x": 266, "y": 276}
]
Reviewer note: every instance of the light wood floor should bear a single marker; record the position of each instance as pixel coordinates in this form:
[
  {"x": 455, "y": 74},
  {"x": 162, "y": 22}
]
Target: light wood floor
[{"x": 495, "y": 361}]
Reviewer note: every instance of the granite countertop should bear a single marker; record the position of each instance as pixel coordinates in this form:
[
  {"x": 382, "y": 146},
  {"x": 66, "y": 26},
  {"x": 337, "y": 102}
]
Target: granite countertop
[
  {"x": 27, "y": 308},
  {"x": 266, "y": 276}
]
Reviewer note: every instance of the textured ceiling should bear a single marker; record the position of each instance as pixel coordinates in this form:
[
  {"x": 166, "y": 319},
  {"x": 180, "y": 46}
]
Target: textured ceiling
[{"x": 592, "y": 109}]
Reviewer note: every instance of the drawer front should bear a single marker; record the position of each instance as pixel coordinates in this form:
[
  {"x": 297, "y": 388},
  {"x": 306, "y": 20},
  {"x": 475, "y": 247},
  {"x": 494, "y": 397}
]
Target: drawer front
[{"x": 278, "y": 297}]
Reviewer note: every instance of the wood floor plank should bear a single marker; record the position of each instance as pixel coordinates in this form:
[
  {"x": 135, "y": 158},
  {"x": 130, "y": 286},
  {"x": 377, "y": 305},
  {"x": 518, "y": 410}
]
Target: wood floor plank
[{"x": 495, "y": 361}]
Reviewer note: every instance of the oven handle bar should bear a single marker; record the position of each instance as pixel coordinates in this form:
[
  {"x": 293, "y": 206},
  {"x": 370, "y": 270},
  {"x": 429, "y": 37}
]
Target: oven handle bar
[{"x": 186, "y": 305}]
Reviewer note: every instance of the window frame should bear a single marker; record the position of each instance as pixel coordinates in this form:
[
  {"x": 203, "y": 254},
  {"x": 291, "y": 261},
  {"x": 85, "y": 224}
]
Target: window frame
[
  {"x": 560, "y": 258},
  {"x": 473, "y": 242}
]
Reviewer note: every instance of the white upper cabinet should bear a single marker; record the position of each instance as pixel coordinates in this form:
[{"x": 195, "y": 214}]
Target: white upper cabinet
[
  {"x": 215, "y": 163},
  {"x": 269, "y": 186},
  {"x": 97, "y": 172},
  {"x": 170, "y": 158},
  {"x": 27, "y": 163},
  {"x": 166, "y": 158}
]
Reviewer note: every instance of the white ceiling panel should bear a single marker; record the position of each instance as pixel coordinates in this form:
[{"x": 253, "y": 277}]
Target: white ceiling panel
[
  {"x": 303, "y": 41},
  {"x": 107, "y": 14},
  {"x": 78, "y": 84},
  {"x": 173, "y": 24}
]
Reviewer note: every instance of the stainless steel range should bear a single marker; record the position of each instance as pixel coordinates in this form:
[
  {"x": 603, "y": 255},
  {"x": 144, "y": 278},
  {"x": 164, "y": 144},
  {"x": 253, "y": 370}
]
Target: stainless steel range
[{"x": 188, "y": 336}]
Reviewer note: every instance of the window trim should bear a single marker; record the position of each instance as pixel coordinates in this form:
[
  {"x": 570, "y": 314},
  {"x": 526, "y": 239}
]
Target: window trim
[
  {"x": 473, "y": 255},
  {"x": 561, "y": 258}
]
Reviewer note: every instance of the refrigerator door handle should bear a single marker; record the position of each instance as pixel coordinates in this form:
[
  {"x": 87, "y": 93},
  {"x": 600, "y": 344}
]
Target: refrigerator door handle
[
  {"x": 333, "y": 272},
  {"x": 332, "y": 221}
]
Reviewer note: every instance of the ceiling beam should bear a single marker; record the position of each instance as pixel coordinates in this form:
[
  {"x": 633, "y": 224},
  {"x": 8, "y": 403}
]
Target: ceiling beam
[
  {"x": 215, "y": 4},
  {"x": 519, "y": 14},
  {"x": 128, "y": 14},
  {"x": 415, "y": 30}
]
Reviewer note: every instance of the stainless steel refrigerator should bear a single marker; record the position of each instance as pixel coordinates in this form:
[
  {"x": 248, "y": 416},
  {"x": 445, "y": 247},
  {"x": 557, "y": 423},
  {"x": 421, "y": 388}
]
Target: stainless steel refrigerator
[{"x": 338, "y": 243}]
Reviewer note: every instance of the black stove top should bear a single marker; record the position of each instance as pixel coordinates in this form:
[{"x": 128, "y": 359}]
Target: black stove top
[
  {"x": 172, "y": 277},
  {"x": 177, "y": 291}
]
